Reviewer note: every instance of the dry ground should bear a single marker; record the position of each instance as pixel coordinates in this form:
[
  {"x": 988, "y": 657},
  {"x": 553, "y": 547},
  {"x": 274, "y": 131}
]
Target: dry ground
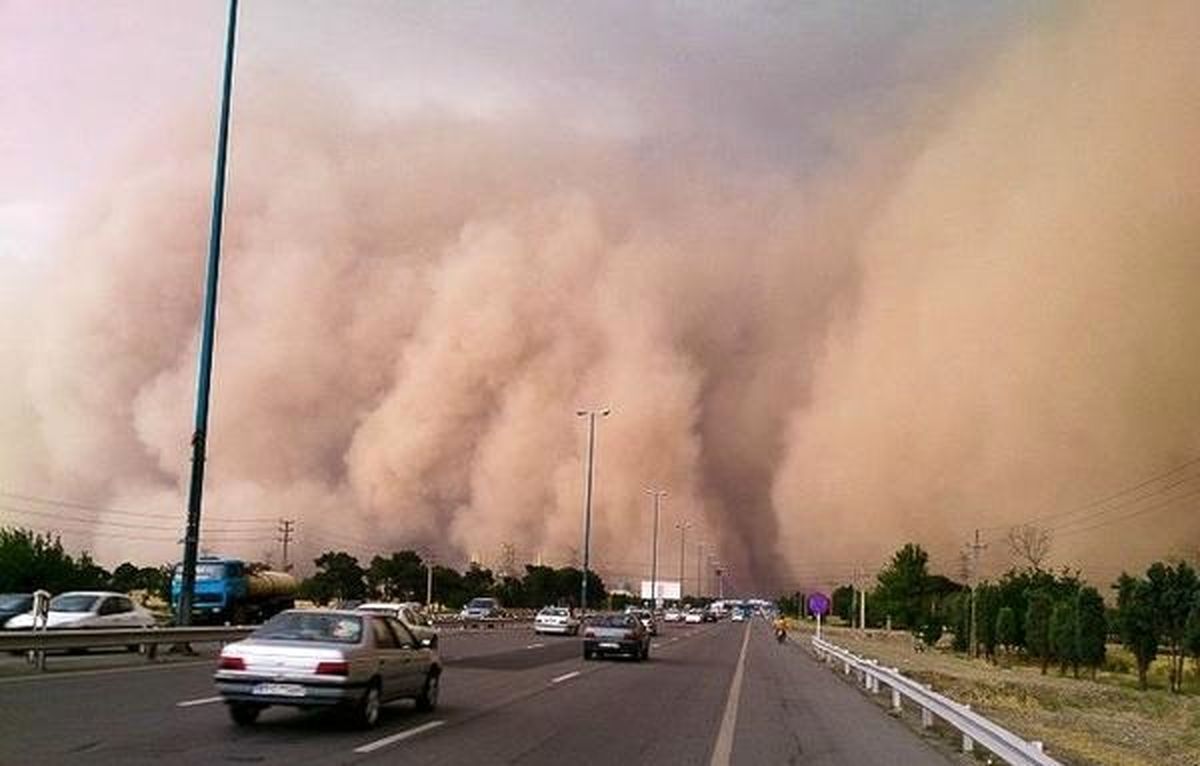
[{"x": 1084, "y": 722}]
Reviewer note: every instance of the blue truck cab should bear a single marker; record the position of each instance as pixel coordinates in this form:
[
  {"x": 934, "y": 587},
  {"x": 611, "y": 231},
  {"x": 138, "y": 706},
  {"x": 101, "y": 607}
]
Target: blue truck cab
[{"x": 220, "y": 587}]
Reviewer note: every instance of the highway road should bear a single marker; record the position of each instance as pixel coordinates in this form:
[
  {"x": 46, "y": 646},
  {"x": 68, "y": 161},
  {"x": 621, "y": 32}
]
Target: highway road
[{"x": 723, "y": 693}]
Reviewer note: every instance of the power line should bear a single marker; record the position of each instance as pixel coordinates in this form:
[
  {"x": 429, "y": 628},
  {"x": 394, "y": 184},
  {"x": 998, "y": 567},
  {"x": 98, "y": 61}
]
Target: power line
[{"x": 116, "y": 511}]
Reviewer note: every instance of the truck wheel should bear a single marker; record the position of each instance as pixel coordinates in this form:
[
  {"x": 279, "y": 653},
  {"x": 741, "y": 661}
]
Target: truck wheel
[
  {"x": 366, "y": 714},
  {"x": 244, "y": 713},
  {"x": 428, "y": 698}
]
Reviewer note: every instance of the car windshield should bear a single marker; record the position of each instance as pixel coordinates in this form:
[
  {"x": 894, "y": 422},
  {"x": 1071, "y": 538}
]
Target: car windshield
[
  {"x": 73, "y": 603},
  {"x": 10, "y": 601},
  {"x": 554, "y": 611},
  {"x": 481, "y": 603},
  {"x": 299, "y": 626},
  {"x": 613, "y": 621}
]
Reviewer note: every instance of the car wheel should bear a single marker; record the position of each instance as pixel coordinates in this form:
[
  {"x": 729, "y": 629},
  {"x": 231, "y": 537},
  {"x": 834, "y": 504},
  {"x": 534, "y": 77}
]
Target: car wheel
[
  {"x": 646, "y": 652},
  {"x": 587, "y": 653},
  {"x": 244, "y": 713},
  {"x": 428, "y": 698},
  {"x": 367, "y": 712}
]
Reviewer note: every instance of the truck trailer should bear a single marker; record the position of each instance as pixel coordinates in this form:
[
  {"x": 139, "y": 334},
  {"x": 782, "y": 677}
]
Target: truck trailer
[{"x": 229, "y": 590}]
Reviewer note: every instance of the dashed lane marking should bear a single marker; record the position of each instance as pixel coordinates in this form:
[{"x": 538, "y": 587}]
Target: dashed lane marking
[
  {"x": 564, "y": 677},
  {"x": 194, "y": 703},
  {"x": 371, "y": 747}
]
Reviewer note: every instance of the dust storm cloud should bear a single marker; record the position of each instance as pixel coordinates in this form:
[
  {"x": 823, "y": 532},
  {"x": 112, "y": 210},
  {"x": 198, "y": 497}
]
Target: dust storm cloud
[{"x": 951, "y": 303}]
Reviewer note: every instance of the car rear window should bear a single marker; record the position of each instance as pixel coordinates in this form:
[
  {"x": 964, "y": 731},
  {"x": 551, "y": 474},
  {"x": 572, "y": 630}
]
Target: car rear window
[
  {"x": 298, "y": 626},
  {"x": 614, "y": 621}
]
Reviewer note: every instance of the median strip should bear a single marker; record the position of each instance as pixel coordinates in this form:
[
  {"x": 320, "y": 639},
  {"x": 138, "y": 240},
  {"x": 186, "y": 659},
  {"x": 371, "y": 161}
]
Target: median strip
[
  {"x": 194, "y": 703},
  {"x": 371, "y": 747}
]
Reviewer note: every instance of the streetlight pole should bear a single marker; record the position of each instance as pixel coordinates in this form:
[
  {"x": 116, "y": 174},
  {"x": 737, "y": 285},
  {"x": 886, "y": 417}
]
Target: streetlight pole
[
  {"x": 587, "y": 499},
  {"x": 658, "y": 495},
  {"x": 191, "y": 537},
  {"x": 683, "y": 527},
  {"x": 700, "y": 569}
]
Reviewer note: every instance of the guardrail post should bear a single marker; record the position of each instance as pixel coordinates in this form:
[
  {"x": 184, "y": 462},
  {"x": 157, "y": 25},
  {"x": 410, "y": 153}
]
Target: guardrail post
[
  {"x": 1037, "y": 745},
  {"x": 926, "y": 718},
  {"x": 896, "y": 701},
  {"x": 968, "y": 744}
]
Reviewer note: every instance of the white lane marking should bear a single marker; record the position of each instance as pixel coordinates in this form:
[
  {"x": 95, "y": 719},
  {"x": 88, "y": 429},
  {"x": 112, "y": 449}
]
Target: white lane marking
[
  {"x": 193, "y": 703},
  {"x": 371, "y": 747},
  {"x": 723, "y": 750},
  {"x": 564, "y": 677},
  {"x": 535, "y": 646}
]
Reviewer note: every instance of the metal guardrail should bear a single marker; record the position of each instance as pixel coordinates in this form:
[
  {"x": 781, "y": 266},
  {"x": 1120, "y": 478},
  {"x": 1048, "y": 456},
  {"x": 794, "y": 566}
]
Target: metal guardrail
[
  {"x": 38, "y": 642},
  {"x": 975, "y": 729}
]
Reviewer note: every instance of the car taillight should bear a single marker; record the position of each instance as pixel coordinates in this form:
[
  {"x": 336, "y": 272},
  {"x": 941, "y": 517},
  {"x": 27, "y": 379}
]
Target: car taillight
[
  {"x": 333, "y": 668},
  {"x": 231, "y": 663}
]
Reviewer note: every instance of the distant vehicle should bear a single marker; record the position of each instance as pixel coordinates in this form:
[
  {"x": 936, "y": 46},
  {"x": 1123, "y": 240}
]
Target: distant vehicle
[
  {"x": 556, "y": 619},
  {"x": 13, "y": 604},
  {"x": 481, "y": 609},
  {"x": 672, "y": 615},
  {"x": 647, "y": 618},
  {"x": 410, "y": 615},
  {"x": 227, "y": 590},
  {"x": 739, "y": 615},
  {"x": 694, "y": 616},
  {"x": 327, "y": 658},
  {"x": 616, "y": 634},
  {"x": 89, "y": 609}
]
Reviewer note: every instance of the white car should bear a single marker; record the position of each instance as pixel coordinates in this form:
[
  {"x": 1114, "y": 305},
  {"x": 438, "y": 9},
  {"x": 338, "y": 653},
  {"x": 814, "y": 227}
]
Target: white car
[
  {"x": 738, "y": 615},
  {"x": 556, "y": 619},
  {"x": 89, "y": 609},
  {"x": 409, "y": 613},
  {"x": 693, "y": 616},
  {"x": 672, "y": 615}
]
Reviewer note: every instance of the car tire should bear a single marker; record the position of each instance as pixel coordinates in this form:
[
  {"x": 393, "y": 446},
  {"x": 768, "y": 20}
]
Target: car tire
[
  {"x": 366, "y": 712},
  {"x": 646, "y": 652},
  {"x": 587, "y": 653},
  {"x": 428, "y": 698},
  {"x": 244, "y": 713}
]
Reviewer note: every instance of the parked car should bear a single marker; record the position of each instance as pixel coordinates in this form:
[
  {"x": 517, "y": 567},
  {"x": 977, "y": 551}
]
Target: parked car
[
  {"x": 672, "y": 615},
  {"x": 738, "y": 616},
  {"x": 556, "y": 619},
  {"x": 647, "y": 618},
  {"x": 327, "y": 658},
  {"x": 616, "y": 634},
  {"x": 694, "y": 616},
  {"x": 481, "y": 609},
  {"x": 89, "y": 609},
  {"x": 13, "y": 604},
  {"x": 411, "y": 615}
]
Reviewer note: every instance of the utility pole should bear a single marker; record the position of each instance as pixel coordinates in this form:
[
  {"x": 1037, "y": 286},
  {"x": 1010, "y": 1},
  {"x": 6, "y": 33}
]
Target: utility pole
[
  {"x": 658, "y": 495},
  {"x": 683, "y": 527},
  {"x": 976, "y": 548},
  {"x": 286, "y": 528},
  {"x": 587, "y": 499},
  {"x": 428, "y": 581},
  {"x": 191, "y": 537},
  {"x": 700, "y": 569}
]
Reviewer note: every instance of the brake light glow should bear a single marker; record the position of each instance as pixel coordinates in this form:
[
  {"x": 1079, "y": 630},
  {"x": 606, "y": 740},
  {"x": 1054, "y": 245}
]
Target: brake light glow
[
  {"x": 228, "y": 662},
  {"x": 333, "y": 668}
]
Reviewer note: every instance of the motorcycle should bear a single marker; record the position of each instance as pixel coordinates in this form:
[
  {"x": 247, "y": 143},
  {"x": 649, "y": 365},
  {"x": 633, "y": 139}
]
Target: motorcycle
[{"x": 781, "y": 635}]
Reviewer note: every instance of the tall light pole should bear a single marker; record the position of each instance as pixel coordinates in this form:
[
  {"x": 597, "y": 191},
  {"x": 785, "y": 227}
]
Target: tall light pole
[
  {"x": 191, "y": 537},
  {"x": 700, "y": 569},
  {"x": 658, "y": 495},
  {"x": 683, "y": 527},
  {"x": 587, "y": 498}
]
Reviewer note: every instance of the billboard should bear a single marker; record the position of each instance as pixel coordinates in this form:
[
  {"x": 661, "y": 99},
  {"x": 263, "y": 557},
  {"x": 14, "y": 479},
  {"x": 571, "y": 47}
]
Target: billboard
[{"x": 668, "y": 590}]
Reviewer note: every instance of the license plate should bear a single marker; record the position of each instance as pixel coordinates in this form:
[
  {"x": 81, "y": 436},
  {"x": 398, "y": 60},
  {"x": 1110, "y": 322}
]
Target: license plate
[
  {"x": 610, "y": 645},
  {"x": 279, "y": 690}
]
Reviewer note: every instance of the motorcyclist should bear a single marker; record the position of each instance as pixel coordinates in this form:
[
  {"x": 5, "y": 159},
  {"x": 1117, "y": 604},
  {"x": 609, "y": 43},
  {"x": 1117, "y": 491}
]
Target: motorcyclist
[{"x": 780, "y": 629}]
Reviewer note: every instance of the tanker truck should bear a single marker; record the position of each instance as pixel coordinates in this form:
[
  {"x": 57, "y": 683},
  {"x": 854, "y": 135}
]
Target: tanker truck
[{"x": 230, "y": 590}]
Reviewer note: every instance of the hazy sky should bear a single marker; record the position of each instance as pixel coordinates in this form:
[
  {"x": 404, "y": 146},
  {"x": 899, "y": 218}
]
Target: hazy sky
[{"x": 848, "y": 274}]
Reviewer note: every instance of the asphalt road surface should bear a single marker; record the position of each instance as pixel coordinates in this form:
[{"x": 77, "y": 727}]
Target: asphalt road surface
[{"x": 716, "y": 694}]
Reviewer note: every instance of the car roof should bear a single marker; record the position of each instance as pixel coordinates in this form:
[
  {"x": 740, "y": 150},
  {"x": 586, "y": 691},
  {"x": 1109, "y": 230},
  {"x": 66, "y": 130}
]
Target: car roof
[
  {"x": 331, "y": 612},
  {"x": 381, "y": 605},
  {"x": 93, "y": 593}
]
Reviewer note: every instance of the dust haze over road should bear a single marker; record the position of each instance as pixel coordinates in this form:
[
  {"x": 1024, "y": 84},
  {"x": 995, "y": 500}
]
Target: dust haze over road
[{"x": 845, "y": 281}]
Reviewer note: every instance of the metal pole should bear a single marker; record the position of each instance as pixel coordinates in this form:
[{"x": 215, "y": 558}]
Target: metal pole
[
  {"x": 587, "y": 502},
  {"x": 700, "y": 569},
  {"x": 683, "y": 528},
  {"x": 658, "y": 495},
  {"x": 428, "y": 583},
  {"x": 191, "y": 539}
]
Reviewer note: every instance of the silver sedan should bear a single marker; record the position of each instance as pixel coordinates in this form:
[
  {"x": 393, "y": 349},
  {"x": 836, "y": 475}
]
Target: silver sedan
[{"x": 327, "y": 658}]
